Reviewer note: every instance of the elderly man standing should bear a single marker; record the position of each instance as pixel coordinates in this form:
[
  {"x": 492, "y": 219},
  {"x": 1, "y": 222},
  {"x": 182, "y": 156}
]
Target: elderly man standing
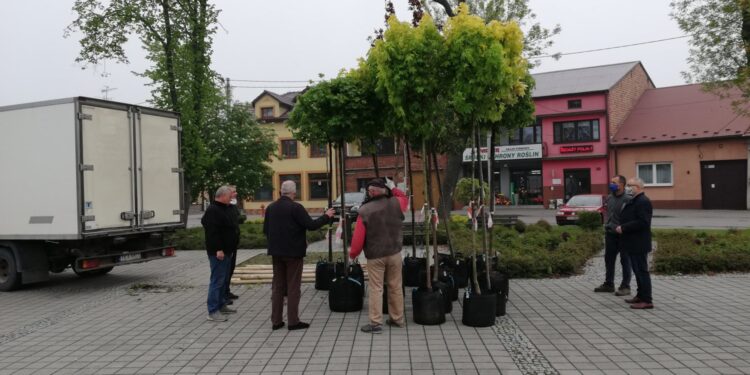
[
  {"x": 222, "y": 234},
  {"x": 635, "y": 228},
  {"x": 378, "y": 232},
  {"x": 285, "y": 225}
]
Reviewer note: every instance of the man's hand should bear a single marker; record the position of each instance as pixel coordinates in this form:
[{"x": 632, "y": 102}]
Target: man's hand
[
  {"x": 330, "y": 212},
  {"x": 389, "y": 183},
  {"x": 618, "y": 229},
  {"x": 220, "y": 255}
]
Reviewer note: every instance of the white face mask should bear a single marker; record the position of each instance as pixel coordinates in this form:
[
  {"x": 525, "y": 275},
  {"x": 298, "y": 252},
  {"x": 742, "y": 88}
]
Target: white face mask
[
  {"x": 233, "y": 201},
  {"x": 628, "y": 190}
]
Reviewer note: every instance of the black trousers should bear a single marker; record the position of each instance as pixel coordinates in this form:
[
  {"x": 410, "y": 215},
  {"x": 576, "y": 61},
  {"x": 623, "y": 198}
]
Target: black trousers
[
  {"x": 232, "y": 264},
  {"x": 639, "y": 260},
  {"x": 612, "y": 247}
]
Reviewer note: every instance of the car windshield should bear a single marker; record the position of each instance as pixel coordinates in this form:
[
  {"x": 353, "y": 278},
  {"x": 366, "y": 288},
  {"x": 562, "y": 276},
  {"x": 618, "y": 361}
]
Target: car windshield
[
  {"x": 351, "y": 198},
  {"x": 585, "y": 201}
]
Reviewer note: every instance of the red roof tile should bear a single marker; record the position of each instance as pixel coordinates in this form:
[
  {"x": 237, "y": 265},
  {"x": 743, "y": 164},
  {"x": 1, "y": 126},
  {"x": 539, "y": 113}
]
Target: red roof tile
[{"x": 680, "y": 113}]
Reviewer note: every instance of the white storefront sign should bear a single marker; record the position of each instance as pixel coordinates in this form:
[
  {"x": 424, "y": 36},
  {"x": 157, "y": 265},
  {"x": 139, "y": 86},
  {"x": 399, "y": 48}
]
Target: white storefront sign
[{"x": 514, "y": 152}]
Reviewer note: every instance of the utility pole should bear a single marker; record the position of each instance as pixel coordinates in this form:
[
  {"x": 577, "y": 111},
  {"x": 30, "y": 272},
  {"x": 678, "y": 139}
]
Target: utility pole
[{"x": 228, "y": 93}]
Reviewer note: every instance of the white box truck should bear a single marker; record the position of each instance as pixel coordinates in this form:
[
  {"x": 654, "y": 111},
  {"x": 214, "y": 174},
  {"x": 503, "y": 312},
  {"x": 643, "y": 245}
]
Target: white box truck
[{"x": 88, "y": 184}]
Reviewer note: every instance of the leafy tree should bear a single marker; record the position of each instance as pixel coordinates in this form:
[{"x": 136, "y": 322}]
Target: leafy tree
[
  {"x": 537, "y": 39},
  {"x": 467, "y": 190},
  {"x": 177, "y": 35},
  {"x": 719, "y": 43},
  {"x": 235, "y": 142}
]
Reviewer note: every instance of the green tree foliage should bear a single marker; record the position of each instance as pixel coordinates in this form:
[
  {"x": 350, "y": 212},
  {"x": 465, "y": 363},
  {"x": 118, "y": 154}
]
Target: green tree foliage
[
  {"x": 334, "y": 111},
  {"x": 537, "y": 39},
  {"x": 467, "y": 190},
  {"x": 177, "y": 35},
  {"x": 410, "y": 67},
  {"x": 235, "y": 142},
  {"x": 486, "y": 66},
  {"x": 719, "y": 43}
]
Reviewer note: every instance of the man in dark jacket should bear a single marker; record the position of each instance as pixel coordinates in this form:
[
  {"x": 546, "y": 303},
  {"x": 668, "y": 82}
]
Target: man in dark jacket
[
  {"x": 285, "y": 225},
  {"x": 222, "y": 238},
  {"x": 612, "y": 243},
  {"x": 635, "y": 229},
  {"x": 378, "y": 233}
]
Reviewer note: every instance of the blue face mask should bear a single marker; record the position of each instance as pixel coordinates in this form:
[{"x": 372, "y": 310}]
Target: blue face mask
[{"x": 613, "y": 187}]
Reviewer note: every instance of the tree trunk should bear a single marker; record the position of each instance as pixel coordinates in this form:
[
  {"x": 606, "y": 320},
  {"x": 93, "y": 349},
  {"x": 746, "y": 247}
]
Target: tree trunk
[
  {"x": 329, "y": 157},
  {"x": 344, "y": 220},
  {"x": 443, "y": 213},
  {"x": 426, "y": 207},
  {"x": 452, "y": 174},
  {"x": 169, "y": 52},
  {"x": 411, "y": 200}
]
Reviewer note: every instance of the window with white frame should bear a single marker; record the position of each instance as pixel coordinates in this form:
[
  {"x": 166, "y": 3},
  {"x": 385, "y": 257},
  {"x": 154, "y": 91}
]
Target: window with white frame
[{"x": 655, "y": 174}]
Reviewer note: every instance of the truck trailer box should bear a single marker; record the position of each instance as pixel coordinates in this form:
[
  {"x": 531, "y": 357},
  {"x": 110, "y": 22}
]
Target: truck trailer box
[{"x": 80, "y": 169}]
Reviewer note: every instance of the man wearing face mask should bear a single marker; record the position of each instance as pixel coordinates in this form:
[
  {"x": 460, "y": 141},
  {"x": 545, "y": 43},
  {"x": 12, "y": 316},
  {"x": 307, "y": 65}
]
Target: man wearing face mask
[
  {"x": 635, "y": 231},
  {"x": 613, "y": 244}
]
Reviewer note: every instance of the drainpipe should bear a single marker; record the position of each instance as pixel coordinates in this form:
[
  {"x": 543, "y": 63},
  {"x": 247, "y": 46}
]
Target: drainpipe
[{"x": 606, "y": 114}]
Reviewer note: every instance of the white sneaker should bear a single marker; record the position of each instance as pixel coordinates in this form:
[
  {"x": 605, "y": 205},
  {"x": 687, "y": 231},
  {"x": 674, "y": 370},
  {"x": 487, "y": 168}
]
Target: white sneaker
[{"x": 216, "y": 317}]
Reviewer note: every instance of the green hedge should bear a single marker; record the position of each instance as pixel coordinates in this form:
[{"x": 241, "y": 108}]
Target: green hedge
[
  {"x": 251, "y": 237},
  {"x": 540, "y": 251},
  {"x": 690, "y": 252}
]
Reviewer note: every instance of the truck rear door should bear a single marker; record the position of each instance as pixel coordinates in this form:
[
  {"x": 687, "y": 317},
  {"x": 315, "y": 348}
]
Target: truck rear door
[
  {"x": 159, "y": 173},
  {"x": 106, "y": 168}
]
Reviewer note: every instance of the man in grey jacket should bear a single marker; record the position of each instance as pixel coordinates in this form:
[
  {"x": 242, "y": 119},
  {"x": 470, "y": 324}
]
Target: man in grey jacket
[{"x": 615, "y": 201}]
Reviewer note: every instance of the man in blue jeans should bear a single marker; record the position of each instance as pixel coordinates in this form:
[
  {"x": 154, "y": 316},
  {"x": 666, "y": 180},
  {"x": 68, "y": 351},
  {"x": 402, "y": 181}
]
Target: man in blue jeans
[{"x": 222, "y": 238}]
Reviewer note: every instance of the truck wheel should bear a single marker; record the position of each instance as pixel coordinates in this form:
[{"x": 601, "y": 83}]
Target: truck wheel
[
  {"x": 9, "y": 277},
  {"x": 99, "y": 272}
]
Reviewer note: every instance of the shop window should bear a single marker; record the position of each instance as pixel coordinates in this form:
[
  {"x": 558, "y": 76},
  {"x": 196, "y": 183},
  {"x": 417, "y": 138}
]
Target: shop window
[
  {"x": 655, "y": 174},
  {"x": 289, "y": 148},
  {"x": 318, "y": 150},
  {"x": 266, "y": 112},
  {"x": 292, "y": 177},
  {"x": 382, "y": 146},
  {"x": 318, "y": 185},
  {"x": 576, "y": 131}
]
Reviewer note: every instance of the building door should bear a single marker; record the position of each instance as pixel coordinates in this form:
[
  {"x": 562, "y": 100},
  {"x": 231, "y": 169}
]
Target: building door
[
  {"x": 724, "y": 184},
  {"x": 577, "y": 181}
]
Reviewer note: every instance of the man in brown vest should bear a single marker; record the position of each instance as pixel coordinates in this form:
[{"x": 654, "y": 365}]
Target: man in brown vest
[{"x": 378, "y": 232}]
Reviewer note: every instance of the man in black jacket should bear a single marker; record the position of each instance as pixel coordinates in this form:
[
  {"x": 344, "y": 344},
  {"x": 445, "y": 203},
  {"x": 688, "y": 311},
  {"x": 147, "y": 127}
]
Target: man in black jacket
[
  {"x": 635, "y": 231},
  {"x": 222, "y": 238},
  {"x": 285, "y": 225}
]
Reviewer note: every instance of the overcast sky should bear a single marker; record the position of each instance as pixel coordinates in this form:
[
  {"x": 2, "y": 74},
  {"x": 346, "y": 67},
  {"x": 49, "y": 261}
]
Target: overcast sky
[{"x": 294, "y": 40}]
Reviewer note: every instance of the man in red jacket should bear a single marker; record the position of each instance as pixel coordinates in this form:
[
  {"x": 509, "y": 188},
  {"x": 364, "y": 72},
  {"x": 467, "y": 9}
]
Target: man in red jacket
[
  {"x": 285, "y": 225},
  {"x": 378, "y": 232}
]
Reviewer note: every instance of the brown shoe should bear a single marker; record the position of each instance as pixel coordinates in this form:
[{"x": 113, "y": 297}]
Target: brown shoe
[
  {"x": 642, "y": 305},
  {"x": 633, "y": 300}
]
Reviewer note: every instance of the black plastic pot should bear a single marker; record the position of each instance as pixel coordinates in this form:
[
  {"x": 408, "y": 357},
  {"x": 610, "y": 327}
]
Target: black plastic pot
[
  {"x": 447, "y": 278},
  {"x": 345, "y": 295},
  {"x": 411, "y": 271},
  {"x": 324, "y": 273},
  {"x": 500, "y": 285},
  {"x": 479, "y": 309},
  {"x": 357, "y": 273},
  {"x": 460, "y": 268},
  {"x": 445, "y": 294},
  {"x": 428, "y": 306}
]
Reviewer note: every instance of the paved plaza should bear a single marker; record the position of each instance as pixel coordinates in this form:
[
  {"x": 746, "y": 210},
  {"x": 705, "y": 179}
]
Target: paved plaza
[{"x": 150, "y": 319}]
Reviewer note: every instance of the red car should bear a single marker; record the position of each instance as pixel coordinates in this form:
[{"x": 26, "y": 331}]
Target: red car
[{"x": 568, "y": 213}]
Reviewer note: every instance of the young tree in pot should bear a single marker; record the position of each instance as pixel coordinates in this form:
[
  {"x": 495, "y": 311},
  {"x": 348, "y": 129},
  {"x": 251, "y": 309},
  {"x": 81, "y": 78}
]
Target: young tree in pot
[
  {"x": 410, "y": 63},
  {"x": 487, "y": 75},
  {"x": 331, "y": 111},
  {"x": 514, "y": 116}
]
